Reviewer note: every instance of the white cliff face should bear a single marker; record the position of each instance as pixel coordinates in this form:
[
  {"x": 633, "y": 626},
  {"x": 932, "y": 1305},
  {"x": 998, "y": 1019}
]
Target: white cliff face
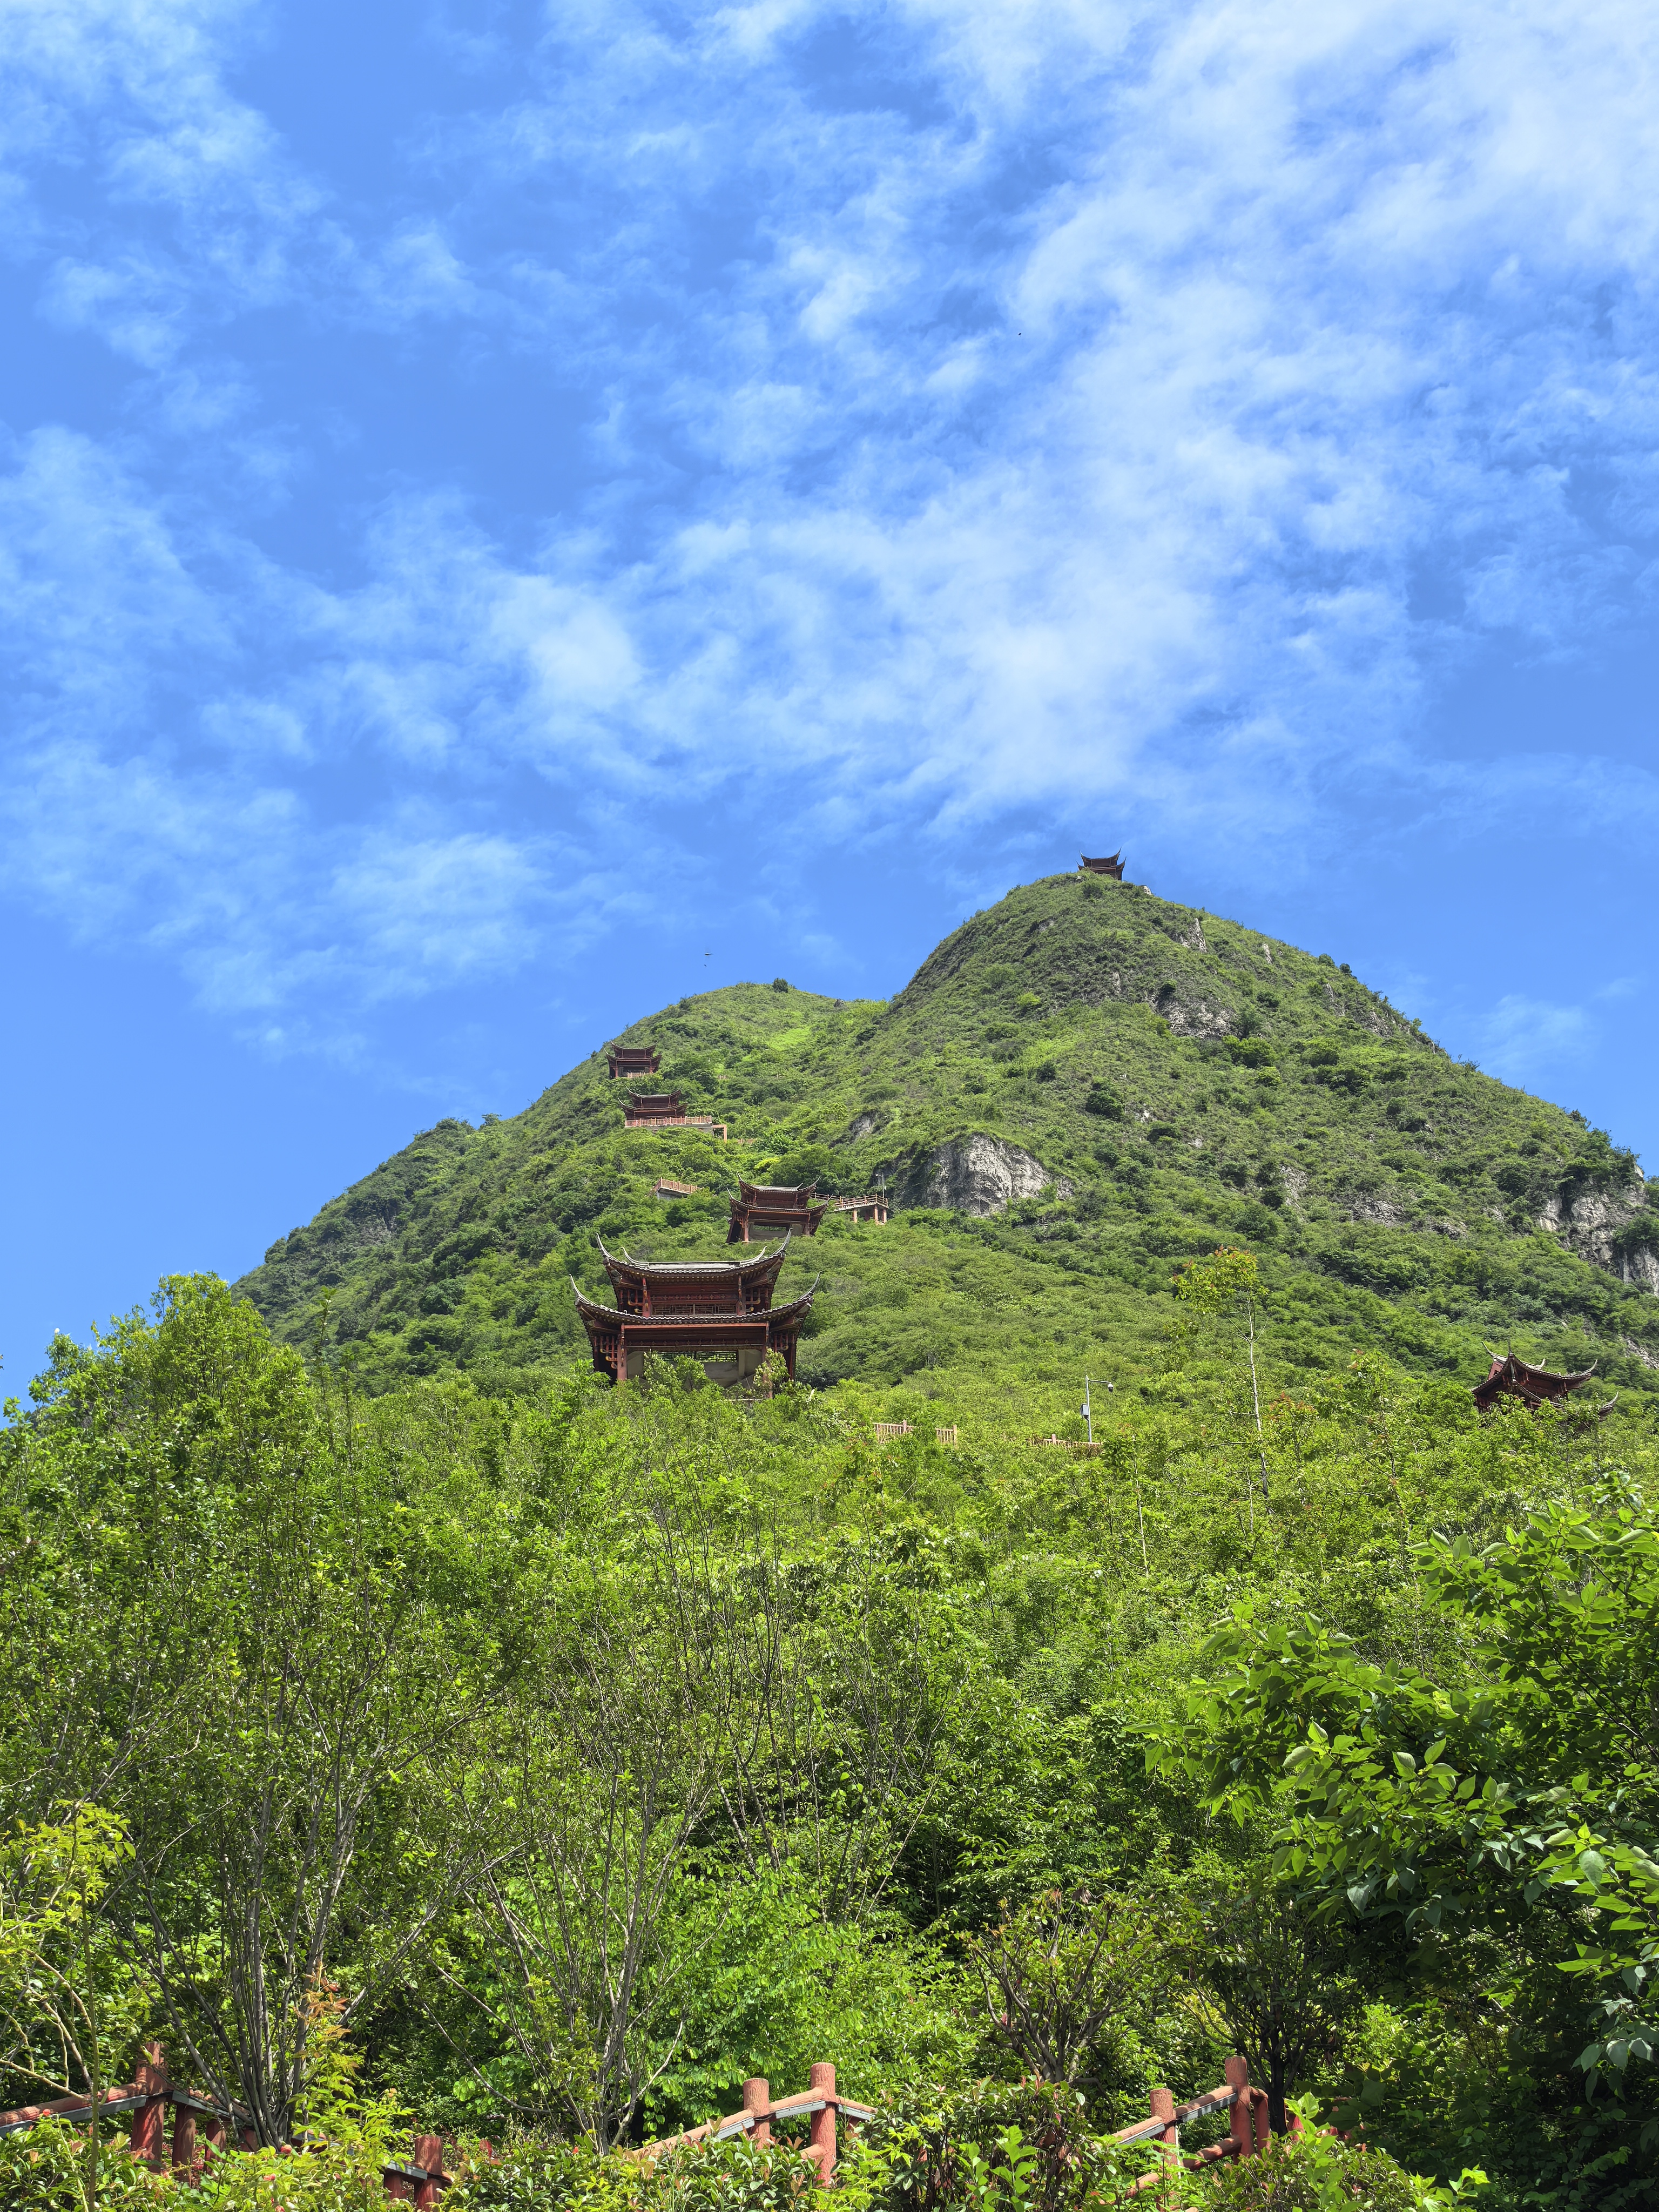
[
  {"x": 977, "y": 1174},
  {"x": 1589, "y": 1226}
]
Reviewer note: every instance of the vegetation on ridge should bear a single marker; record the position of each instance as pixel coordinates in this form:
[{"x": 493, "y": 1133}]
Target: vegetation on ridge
[{"x": 1183, "y": 1082}]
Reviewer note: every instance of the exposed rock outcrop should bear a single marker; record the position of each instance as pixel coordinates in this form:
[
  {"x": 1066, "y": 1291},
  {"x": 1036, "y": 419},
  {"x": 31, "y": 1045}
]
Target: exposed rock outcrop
[
  {"x": 976, "y": 1174},
  {"x": 1590, "y": 1225},
  {"x": 1192, "y": 1021},
  {"x": 1371, "y": 1205}
]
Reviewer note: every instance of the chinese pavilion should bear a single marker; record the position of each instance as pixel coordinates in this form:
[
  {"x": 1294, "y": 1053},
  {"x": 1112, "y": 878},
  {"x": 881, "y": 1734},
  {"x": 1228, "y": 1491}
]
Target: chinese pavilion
[
  {"x": 1112, "y": 866},
  {"x": 763, "y": 1209},
  {"x": 662, "y": 1110},
  {"x": 717, "y": 1311},
  {"x": 645, "y": 1110},
  {"x": 633, "y": 1059},
  {"x": 1534, "y": 1386}
]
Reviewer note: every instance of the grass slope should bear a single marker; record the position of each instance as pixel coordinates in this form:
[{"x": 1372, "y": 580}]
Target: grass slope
[{"x": 1181, "y": 1081}]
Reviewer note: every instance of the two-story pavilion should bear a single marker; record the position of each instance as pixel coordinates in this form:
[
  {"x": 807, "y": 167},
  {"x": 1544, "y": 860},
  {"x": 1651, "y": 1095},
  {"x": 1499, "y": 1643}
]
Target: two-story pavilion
[
  {"x": 1111, "y": 866},
  {"x": 627, "y": 1060},
  {"x": 762, "y": 1209},
  {"x": 717, "y": 1312}
]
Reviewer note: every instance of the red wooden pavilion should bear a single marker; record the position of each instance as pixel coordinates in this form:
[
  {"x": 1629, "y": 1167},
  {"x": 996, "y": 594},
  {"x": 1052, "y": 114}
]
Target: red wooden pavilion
[
  {"x": 633, "y": 1059},
  {"x": 1112, "y": 866},
  {"x": 763, "y": 1209},
  {"x": 1534, "y": 1386},
  {"x": 717, "y": 1311}
]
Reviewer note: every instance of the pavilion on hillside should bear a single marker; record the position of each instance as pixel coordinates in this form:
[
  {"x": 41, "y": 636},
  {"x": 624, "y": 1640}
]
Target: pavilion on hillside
[
  {"x": 664, "y": 1109},
  {"x": 1533, "y": 1386},
  {"x": 627, "y": 1060},
  {"x": 762, "y": 1209},
  {"x": 717, "y": 1312},
  {"x": 1112, "y": 866}
]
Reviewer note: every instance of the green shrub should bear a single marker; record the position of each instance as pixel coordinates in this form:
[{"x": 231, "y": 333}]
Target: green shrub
[{"x": 1307, "y": 2172}]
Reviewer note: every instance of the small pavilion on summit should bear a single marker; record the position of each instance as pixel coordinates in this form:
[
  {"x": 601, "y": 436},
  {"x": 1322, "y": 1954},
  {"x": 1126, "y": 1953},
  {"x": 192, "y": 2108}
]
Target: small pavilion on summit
[
  {"x": 717, "y": 1312},
  {"x": 1112, "y": 866},
  {"x": 764, "y": 1209}
]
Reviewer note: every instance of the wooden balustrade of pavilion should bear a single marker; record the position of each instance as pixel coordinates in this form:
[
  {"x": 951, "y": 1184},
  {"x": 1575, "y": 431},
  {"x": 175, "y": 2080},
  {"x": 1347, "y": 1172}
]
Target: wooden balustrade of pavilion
[
  {"x": 762, "y": 1209},
  {"x": 717, "y": 1312}
]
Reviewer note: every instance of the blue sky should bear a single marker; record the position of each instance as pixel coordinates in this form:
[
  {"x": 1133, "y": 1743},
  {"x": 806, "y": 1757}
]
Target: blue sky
[{"x": 509, "y": 514}]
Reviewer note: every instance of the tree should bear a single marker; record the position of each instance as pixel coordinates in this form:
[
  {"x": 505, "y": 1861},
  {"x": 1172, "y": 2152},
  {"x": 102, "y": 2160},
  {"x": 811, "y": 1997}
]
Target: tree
[
  {"x": 296, "y": 1679},
  {"x": 57, "y": 2020},
  {"x": 1274, "y": 1977},
  {"x": 1523, "y": 1797},
  {"x": 1215, "y": 1286},
  {"x": 603, "y": 1767},
  {"x": 1060, "y": 1974},
  {"x": 852, "y": 1678}
]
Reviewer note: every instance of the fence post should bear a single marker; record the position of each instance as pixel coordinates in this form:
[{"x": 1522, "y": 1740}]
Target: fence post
[
  {"x": 1163, "y": 2108},
  {"x": 429, "y": 2157},
  {"x": 1239, "y": 2126},
  {"x": 150, "y": 2121},
  {"x": 821, "y": 2140},
  {"x": 183, "y": 2140},
  {"x": 756, "y": 2097}
]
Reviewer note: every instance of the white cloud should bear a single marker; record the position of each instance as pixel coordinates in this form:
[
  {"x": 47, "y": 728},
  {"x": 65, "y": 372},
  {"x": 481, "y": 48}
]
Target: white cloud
[
  {"x": 966, "y": 409},
  {"x": 1526, "y": 1038}
]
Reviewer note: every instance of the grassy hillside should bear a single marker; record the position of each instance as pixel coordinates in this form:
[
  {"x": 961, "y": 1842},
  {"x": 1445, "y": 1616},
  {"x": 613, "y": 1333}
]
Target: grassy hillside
[{"x": 1081, "y": 1086}]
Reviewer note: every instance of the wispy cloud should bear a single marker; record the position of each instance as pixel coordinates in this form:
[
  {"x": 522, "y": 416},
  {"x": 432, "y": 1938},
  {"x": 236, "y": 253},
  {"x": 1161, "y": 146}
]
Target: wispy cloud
[
  {"x": 1527, "y": 1038},
  {"x": 942, "y": 410}
]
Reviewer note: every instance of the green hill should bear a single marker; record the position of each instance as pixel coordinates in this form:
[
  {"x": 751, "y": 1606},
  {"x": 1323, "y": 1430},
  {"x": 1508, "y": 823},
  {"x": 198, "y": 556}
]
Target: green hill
[{"x": 1081, "y": 1086}]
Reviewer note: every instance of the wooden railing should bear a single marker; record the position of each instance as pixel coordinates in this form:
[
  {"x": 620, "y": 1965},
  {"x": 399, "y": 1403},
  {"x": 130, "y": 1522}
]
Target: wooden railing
[
  {"x": 817, "y": 2104},
  {"x": 202, "y": 2127},
  {"x": 678, "y": 1121},
  {"x": 886, "y": 1431},
  {"x": 1247, "y": 2129},
  {"x": 418, "y": 2179}
]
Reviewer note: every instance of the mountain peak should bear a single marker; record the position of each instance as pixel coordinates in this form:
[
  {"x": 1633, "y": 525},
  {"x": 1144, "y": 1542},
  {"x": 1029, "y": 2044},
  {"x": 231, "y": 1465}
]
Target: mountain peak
[{"x": 1107, "y": 1079}]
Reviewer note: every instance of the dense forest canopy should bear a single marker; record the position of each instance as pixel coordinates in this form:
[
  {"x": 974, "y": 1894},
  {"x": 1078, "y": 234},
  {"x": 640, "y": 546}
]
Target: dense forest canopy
[{"x": 406, "y": 1723}]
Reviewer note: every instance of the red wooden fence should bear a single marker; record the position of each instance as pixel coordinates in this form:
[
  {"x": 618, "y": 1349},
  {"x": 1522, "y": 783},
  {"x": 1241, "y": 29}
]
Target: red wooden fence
[
  {"x": 201, "y": 2126},
  {"x": 817, "y": 2104},
  {"x": 1247, "y": 2129}
]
